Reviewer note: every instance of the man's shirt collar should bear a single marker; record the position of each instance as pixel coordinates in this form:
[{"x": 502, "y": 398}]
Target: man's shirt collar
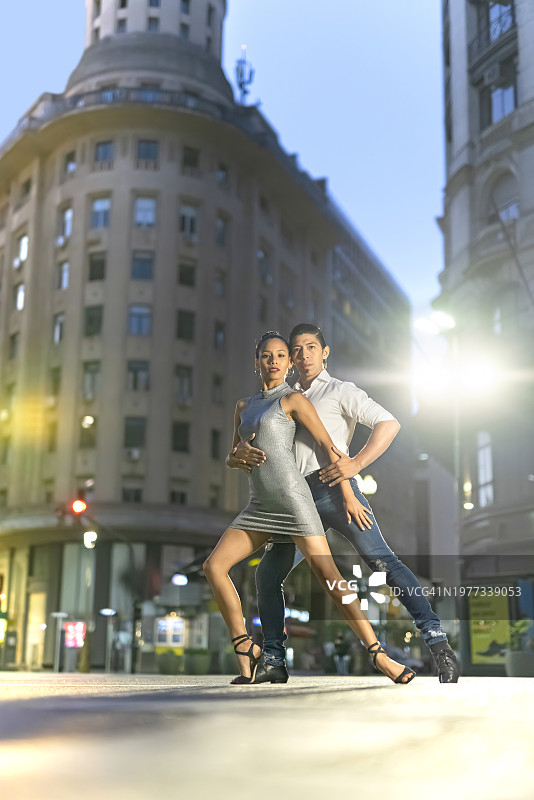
[{"x": 323, "y": 376}]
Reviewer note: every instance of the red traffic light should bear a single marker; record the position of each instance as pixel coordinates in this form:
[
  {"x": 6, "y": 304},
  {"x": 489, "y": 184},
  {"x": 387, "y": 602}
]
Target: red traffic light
[{"x": 79, "y": 506}]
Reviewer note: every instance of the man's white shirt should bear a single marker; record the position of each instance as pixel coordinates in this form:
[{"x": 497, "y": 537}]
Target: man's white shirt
[{"x": 340, "y": 405}]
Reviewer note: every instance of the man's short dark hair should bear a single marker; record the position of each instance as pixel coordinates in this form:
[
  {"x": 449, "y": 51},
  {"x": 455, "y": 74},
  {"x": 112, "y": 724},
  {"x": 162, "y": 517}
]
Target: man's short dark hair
[{"x": 306, "y": 327}]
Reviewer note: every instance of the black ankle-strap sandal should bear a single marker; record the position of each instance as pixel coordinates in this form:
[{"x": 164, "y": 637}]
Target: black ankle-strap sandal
[
  {"x": 399, "y": 679},
  {"x": 254, "y": 660}
]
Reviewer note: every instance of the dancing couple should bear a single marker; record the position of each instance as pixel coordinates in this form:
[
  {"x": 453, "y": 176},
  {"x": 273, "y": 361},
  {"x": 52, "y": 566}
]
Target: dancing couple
[{"x": 293, "y": 443}]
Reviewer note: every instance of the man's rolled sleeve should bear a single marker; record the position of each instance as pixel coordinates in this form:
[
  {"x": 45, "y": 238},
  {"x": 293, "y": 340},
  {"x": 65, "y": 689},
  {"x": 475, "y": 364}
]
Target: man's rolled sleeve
[{"x": 357, "y": 404}]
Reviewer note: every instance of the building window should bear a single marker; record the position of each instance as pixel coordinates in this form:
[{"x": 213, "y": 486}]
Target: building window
[
  {"x": 187, "y": 274},
  {"x": 148, "y": 151},
  {"x": 123, "y": 3},
  {"x": 14, "y": 346},
  {"x": 138, "y": 376},
  {"x": 104, "y": 153},
  {"x": 184, "y": 31},
  {"x": 219, "y": 283},
  {"x": 185, "y": 6},
  {"x": 221, "y": 175},
  {"x": 504, "y": 200},
  {"x": 178, "y": 497},
  {"x": 97, "y": 266},
  {"x": 221, "y": 231},
  {"x": 209, "y": 16},
  {"x": 100, "y": 213},
  {"x": 190, "y": 161},
  {"x": 215, "y": 444},
  {"x": 90, "y": 379},
  {"x": 499, "y": 100},
  {"x": 140, "y": 321},
  {"x": 5, "y": 450},
  {"x": 214, "y": 498},
  {"x": 153, "y": 24},
  {"x": 58, "y": 328},
  {"x": 18, "y": 297},
  {"x": 183, "y": 384},
  {"x": 180, "y": 437},
  {"x": 264, "y": 266},
  {"x": 55, "y": 381},
  {"x": 145, "y": 212},
  {"x": 97, "y": 8},
  {"x": 62, "y": 279},
  {"x": 189, "y": 222},
  {"x": 88, "y": 434},
  {"x": 51, "y": 437},
  {"x": 484, "y": 469},
  {"x": 23, "y": 244},
  {"x": 185, "y": 325},
  {"x": 25, "y": 190},
  {"x": 95, "y": 36},
  {"x": 154, "y": 3},
  {"x": 287, "y": 289},
  {"x": 65, "y": 226},
  {"x": 217, "y": 390},
  {"x": 142, "y": 266},
  {"x": 93, "y": 316},
  {"x": 134, "y": 432},
  {"x": 132, "y": 495},
  {"x": 209, "y": 44},
  {"x": 121, "y": 26},
  {"x": 70, "y": 163},
  {"x": 219, "y": 335}
]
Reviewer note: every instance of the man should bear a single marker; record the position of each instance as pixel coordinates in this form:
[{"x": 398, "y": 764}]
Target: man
[{"x": 340, "y": 405}]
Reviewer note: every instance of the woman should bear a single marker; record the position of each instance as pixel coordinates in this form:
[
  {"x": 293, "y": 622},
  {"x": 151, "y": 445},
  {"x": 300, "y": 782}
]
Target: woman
[{"x": 281, "y": 507}]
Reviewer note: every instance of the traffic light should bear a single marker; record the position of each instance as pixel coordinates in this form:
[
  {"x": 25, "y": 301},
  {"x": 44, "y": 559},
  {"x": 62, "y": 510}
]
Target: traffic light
[{"x": 78, "y": 506}]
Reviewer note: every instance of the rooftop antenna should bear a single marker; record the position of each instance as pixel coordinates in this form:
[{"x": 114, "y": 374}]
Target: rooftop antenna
[{"x": 244, "y": 74}]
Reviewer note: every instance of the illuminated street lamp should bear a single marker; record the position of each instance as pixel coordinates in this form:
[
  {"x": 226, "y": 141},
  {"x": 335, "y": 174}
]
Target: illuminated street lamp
[{"x": 89, "y": 539}]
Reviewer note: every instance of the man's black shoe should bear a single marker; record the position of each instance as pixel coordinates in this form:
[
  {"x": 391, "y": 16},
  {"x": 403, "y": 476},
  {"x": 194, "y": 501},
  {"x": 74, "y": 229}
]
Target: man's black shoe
[
  {"x": 270, "y": 673},
  {"x": 446, "y": 664}
]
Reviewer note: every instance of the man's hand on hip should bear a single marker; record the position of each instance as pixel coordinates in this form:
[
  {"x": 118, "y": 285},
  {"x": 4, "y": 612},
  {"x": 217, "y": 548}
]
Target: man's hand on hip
[
  {"x": 341, "y": 470},
  {"x": 245, "y": 456}
]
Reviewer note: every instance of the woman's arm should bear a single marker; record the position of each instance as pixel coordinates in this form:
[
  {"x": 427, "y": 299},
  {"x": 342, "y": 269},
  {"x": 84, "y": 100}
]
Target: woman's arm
[
  {"x": 231, "y": 461},
  {"x": 300, "y": 409}
]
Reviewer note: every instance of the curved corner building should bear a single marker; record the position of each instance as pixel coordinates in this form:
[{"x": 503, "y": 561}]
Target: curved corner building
[{"x": 150, "y": 229}]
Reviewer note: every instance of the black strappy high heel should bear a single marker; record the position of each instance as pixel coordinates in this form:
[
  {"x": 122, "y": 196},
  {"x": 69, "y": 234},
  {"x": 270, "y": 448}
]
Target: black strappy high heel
[
  {"x": 250, "y": 653},
  {"x": 398, "y": 679}
]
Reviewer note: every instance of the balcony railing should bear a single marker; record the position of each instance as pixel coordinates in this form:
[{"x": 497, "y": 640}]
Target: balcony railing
[{"x": 491, "y": 34}]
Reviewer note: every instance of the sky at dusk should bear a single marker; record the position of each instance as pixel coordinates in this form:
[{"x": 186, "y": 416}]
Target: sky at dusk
[{"x": 353, "y": 87}]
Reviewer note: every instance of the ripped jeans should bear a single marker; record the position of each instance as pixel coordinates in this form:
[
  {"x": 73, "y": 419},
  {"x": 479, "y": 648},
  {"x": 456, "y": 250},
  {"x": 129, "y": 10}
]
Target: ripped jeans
[{"x": 280, "y": 558}]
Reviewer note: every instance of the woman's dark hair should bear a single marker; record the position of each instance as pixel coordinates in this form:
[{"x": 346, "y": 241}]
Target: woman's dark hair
[
  {"x": 266, "y": 337},
  {"x": 306, "y": 327}
]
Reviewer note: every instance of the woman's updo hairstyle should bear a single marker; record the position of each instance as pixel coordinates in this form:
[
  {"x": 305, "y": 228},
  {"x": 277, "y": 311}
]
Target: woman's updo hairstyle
[{"x": 266, "y": 337}]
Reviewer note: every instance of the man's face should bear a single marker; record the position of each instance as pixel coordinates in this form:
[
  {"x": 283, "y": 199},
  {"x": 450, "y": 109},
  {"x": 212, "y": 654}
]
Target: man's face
[{"x": 308, "y": 356}]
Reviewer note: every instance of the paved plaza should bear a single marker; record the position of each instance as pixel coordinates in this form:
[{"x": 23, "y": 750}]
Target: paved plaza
[{"x": 72, "y": 737}]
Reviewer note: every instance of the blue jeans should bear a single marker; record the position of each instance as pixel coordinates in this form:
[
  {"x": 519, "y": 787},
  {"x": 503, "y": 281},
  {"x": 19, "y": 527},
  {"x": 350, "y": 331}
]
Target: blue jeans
[{"x": 280, "y": 558}]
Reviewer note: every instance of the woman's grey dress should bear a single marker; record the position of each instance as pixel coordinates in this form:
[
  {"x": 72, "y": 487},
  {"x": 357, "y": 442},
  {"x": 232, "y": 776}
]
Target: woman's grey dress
[{"x": 281, "y": 502}]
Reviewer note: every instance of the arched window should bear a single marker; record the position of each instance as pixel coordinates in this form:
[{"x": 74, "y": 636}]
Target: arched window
[{"x": 503, "y": 200}]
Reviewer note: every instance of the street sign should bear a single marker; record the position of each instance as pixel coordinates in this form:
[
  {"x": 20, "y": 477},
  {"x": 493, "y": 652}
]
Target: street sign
[{"x": 74, "y": 633}]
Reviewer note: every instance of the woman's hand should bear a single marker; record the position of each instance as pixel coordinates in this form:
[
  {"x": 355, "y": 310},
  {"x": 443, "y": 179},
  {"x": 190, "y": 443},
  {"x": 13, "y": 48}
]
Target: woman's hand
[{"x": 354, "y": 509}]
